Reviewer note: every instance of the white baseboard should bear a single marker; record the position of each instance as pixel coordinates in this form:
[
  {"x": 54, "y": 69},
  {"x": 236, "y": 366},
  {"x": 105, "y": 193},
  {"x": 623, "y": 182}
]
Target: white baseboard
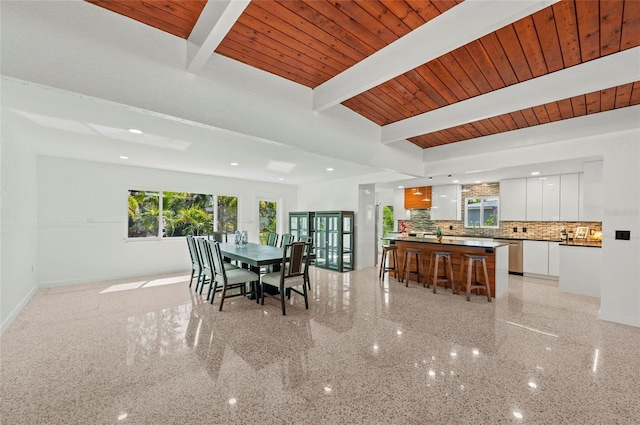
[
  {"x": 623, "y": 320},
  {"x": 9, "y": 320},
  {"x": 105, "y": 278}
]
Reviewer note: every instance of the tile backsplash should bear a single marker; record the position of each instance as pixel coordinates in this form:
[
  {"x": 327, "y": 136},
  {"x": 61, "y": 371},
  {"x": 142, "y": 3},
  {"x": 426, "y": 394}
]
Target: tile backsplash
[{"x": 421, "y": 222}]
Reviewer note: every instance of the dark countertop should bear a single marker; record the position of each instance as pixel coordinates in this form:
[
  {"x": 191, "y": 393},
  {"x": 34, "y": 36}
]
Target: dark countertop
[
  {"x": 582, "y": 242},
  {"x": 490, "y": 238},
  {"x": 445, "y": 241}
]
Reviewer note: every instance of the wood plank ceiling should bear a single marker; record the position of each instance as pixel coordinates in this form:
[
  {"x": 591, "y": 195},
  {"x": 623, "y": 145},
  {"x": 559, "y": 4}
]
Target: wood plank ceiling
[{"x": 312, "y": 41}]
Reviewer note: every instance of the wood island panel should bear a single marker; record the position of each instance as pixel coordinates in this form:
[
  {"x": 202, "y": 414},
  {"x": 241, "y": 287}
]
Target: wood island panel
[{"x": 456, "y": 260}]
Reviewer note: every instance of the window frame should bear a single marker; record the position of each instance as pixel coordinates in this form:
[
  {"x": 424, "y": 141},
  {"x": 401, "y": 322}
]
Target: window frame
[
  {"x": 160, "y": 193},
  {"x": 481, "y": 223}
]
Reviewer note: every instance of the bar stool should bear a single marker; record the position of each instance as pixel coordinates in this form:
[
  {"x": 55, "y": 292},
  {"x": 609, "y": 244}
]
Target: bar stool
[
  {"x": 448, "y": 271},
  {"x": 471, "y": 260},
  {"x": 389, "y": 253},
  {"x": 407, "y": 265}
]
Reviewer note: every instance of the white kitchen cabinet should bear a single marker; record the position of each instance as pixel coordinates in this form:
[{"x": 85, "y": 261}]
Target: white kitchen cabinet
[
  {"x": 445, "y": 202},
  {"x": 554, "y": 259},
  {"x": 399, "y": 213},
  {"x": 541, "y": 258},
  {"x": 551, "y": 198},
  {"x": 535, "y": 257},
  {"x": 513, "y": 200},
  {"x": 543, "y": 198},
  {"x": 534, "y": 199},
  {"x": 569, "y": 197}
]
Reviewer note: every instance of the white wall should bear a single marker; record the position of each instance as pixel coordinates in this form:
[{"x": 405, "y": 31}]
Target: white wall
[
  {"x": 620, "y": 286},
  {"x": 345, "y": 195},
  {"x": 82, "y": 220},
  {"x": 366, "y": 237},
  {"x": 18, "y": 236}
]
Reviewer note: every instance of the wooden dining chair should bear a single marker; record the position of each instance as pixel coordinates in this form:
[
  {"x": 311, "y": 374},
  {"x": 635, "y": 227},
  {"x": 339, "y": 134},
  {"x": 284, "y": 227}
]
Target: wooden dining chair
[
  {"x": 293, "y": 274},
  {"x": 228, "y": 278},
  {"x": 205, "y": 264},
  {"x": 196, "y": 262},
  {"x": 272, "y": 239},
  {"x": 286, "y": 239},
  {"x": 219, "y": 236}
]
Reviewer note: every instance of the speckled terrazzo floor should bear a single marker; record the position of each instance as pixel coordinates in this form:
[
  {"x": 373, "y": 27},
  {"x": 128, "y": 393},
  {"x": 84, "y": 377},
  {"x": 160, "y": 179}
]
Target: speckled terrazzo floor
[{"x": 149, "y": 351}]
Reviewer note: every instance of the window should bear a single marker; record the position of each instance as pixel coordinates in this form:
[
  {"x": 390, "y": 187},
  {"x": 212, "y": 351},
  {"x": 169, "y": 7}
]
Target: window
[
  {"x": 227, "y": 220},
  {"x": 481, "y": 212},
  {"x": 154, "y": 214},
  {"x": 387, "y": 220},
  {"x": 186, "y": 214},
  {"x": 267, "y": 215},
  {"x": 144, "y": 213}
]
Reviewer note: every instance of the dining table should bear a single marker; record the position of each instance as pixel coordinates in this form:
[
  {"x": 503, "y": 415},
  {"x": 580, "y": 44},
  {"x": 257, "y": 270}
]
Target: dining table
[{"x": 254, "y": 256}]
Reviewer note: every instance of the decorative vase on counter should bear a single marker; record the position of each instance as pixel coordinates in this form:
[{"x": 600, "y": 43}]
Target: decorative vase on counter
[
  {"x": 237, "y": 238},
  {"x": 438, "y": 235},
  {"x": 244, "y": 238}
]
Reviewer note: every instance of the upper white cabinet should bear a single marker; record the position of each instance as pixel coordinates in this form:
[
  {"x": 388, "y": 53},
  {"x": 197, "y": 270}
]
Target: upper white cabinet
[
  {"x": 513, "y": 200},
  {"x": 569, "y": 197},
  {"x": 551, "y": 198},
  {"x": 446, "y": 203},
  {"x": 591, "y": 190},
  {"x": 543, "y": 198},
  {"x": 534, "y": 199}
]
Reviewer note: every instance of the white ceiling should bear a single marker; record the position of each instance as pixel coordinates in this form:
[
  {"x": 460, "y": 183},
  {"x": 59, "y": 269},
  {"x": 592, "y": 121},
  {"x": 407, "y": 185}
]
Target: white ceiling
[
  {"x": 93, "y": 129},
  {"x": 111, "y": 73}
]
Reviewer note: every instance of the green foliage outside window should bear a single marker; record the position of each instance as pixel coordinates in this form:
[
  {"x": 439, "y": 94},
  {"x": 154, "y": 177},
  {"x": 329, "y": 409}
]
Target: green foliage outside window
[
  {"x": 143, "y": 213},
  {"x": 182, "y": 214},
  {"x": 267, "y": 215},
  {"x": 387, "y": 220},
  {"x": 227, "y": 214}
]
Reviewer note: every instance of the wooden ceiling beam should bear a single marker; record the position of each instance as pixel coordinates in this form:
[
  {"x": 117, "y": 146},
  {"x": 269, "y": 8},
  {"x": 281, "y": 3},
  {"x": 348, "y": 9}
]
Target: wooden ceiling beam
[
  {"x": 608, "y": 71},
  {"x": 456, "y": 27}
]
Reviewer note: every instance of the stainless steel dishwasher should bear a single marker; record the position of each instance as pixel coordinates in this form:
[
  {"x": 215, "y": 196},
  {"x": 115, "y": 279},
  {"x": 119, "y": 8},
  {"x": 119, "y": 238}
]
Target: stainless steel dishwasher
[{"x": 515, "y": 254}]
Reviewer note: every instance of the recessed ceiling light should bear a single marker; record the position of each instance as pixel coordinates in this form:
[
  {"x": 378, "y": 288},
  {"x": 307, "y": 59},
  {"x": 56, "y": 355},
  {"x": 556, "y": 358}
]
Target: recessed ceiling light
[
  {"x": 478, "y": 182},
  {"x": 280, "y": 178},
  {"x": 456, "y": 181},
  {"x": 449, "y": 176},
  {"x": 135, "y": 131},
  {"x": 535, "y": 173},
  {"x": 400, "y": 187},
  {"x": 430, "y": 178},
  {"x": 329, "y": 169},
  {"x": 234, "y": 163},
  {"x": 123, "y": 157}
]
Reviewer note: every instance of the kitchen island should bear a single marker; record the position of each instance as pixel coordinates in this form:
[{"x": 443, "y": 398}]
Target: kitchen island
[{"x": 497, "y": 254}]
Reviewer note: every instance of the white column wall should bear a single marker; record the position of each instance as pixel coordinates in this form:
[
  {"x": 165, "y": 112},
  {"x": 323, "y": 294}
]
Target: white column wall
[
  {"x": 82, "y": 220},
  {"x": 365, "y": 255},
  {"x": 18, "y": 220},
  {"x": 620, "y": 292}
]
